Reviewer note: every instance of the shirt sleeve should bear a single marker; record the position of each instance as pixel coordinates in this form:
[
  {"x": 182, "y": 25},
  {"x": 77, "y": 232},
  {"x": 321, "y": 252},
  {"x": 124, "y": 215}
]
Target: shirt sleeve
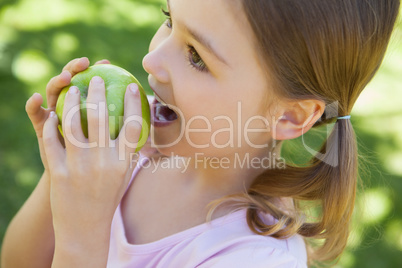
[{"x": 253, "y": 258}]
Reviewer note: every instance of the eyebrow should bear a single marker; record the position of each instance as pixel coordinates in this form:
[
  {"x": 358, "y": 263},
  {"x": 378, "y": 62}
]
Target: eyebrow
[{"x": 200, "y": 39}]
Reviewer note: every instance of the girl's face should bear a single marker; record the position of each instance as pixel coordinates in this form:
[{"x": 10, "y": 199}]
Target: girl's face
[{"x": 203, "y": 64}]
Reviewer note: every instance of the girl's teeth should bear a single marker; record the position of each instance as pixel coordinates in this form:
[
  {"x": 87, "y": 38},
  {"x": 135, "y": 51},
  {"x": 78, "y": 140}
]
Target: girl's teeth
[
  {"x": 164, "y": 114},
  {"x": 159, "y": 114}
]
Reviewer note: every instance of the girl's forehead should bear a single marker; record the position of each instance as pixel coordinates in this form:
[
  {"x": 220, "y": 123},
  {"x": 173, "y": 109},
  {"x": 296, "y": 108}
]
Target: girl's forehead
[
  {"x": 211, "y": 15},
  {"x": 220, "y": 24}
]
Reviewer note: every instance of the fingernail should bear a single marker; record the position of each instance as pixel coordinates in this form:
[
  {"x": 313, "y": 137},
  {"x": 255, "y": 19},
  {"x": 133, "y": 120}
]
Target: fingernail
[
  {"x": 97, "y": 80},
  {"x": 52, "y": 114},
  {"x": 134, "y": 88},
  {"x": 73, "y": 90}
]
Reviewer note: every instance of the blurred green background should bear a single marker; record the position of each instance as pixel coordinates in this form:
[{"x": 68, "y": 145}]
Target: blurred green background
[{"x": 38, "y": 37}]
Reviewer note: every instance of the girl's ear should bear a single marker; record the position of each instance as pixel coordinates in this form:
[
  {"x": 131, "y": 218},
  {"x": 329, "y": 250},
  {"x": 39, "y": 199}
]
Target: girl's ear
[{"x": 296, "y": 118}]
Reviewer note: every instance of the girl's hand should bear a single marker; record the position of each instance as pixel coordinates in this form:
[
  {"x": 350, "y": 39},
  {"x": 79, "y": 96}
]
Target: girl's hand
[
  {"x": 37, "y": 114},
  {"x": 89, "y": 177}
]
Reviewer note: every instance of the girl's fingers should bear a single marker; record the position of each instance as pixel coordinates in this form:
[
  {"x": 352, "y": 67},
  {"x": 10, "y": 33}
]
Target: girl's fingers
[
  {"x": 97, "y": 113},
  {"x": 129, "y": 137},
  {"x": 73, "y": 135},
  {"x": 55, "y": 85},
  {"x": 77, "y": 65},
  {"x": 36, "y": 113},
  {"x": 55, "y": 153},
  {"x": 104, "y": 61}
]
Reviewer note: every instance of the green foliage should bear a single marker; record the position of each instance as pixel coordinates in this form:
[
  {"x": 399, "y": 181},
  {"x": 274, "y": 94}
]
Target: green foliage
[{"x": 38, "y": 37}]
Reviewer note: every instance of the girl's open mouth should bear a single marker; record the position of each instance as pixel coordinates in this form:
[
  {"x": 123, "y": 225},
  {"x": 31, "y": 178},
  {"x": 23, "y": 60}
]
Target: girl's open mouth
[{"x": 162, "y": 115}]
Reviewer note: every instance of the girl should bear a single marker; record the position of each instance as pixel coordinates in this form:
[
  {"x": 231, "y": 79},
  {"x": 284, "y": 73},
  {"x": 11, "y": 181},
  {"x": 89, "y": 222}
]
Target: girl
[{"x": 232, "y": 80}]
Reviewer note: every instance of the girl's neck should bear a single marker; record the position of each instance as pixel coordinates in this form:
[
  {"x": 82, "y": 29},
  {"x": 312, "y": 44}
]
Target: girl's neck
[{"x": 229, "y": 174}]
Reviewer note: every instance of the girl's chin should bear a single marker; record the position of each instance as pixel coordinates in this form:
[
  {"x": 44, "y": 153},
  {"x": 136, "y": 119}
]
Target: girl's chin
[{"x": 166, "y": 136}]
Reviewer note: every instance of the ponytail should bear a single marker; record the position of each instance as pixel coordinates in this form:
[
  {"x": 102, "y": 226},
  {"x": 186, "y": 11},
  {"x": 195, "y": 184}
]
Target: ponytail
[{"x": 330, "y": 181}]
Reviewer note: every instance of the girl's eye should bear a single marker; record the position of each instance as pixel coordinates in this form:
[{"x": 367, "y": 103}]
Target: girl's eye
[
  {"x": 168, "y": 22},
  {"x": 195, "y": 59},
  {"x": 192, "y": 56}
]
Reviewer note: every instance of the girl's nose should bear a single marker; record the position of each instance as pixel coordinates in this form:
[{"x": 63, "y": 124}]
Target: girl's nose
[{"x": 154, "y": 63}]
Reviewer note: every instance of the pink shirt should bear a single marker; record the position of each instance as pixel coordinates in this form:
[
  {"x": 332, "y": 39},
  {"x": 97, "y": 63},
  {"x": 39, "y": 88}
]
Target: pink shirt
[{"x": 224, "y": 242}]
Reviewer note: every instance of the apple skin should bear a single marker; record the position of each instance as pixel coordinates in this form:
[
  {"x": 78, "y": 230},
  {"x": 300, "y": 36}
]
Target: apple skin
[{"x": 116, "y": 81}]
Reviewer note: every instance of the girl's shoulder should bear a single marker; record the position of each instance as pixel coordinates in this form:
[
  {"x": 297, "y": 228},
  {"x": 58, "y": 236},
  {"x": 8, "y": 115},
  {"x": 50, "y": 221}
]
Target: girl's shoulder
[
  {"x": 237, "y": 246},
  {"x": 224, "y": 242}
]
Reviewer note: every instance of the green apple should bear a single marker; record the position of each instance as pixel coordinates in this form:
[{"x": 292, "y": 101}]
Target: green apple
[{"x": 116, "y": 81}]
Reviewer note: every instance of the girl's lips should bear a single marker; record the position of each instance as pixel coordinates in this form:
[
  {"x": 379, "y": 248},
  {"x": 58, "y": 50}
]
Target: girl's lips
[
  {"x": 159, "y": 99},
  {"x": 156, "y": 95}
]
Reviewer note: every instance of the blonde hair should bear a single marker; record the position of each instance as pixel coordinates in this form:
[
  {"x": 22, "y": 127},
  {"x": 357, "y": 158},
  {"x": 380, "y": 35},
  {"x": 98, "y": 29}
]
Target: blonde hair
[{"x": 316, "y": 49}]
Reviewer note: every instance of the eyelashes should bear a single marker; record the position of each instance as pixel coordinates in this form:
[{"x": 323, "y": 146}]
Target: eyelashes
[
  {"x": 168, "y": 21},
  {"x": 192, "y": 56}
]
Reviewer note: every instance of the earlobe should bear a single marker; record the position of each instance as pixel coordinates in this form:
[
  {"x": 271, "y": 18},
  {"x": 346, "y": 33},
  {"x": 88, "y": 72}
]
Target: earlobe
[{"x": 297, "y": 118}]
